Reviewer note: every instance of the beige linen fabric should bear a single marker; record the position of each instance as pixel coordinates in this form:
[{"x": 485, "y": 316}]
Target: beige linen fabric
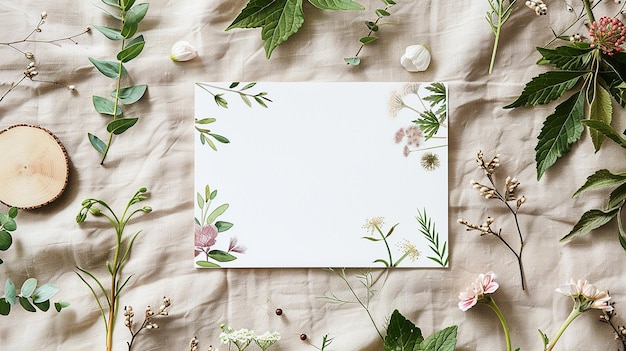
[{"x": 158, "y": 153}]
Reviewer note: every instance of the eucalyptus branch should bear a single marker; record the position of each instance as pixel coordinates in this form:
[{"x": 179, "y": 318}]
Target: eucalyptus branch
[
  {"x": 123, "y": 246},
  {"x": 373, "y": 27},
  {"x": 260, "y": 98}
]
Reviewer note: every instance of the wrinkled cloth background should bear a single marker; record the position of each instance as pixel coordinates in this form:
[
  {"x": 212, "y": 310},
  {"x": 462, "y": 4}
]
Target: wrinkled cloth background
[{"x": 158, "y": 153}]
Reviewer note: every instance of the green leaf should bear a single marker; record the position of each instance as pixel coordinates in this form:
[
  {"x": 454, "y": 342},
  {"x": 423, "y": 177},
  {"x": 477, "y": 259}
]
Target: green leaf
[
  {"x": 129, "y": 29},
  {"x": 213, "y": 194},
  {"x": 336, "y": 5},
  {"x": 601, "y": 178},
  {"x": 128, "y": 4},
  {"x": 130, "y": 95},
  {"x": 205, "y": 120},
  {"x": 600, "y": 110},
  {"x": 137, "y": 13},
  {"x": 382, "y": 13},
  {"x": 279, "y": 19},
  {"x": 567, "y": 57},
  {"x": 9, "y": 291},
  {"x": 61, "y": 305},
  {"x": 367, "y": 40},
  {"x": 5, "y": 307},
  {"x": 45, "y": 292},
  {"x": 110, "y": 33},
  {"x": 5, "y": 240},
  {"x": 223, "y": 226},
  {"x": 221, "y": 256},
  {"x": 26, "y": 304},
  {"x": 12, "y": 212},
  {"x": 114, "y": 3},
  {"x": 28, "y": 287},
  {"x": 559, "y": 132},
  {"x": 547, "y": 87},
  {"x": 617, "y": 196},
  {"x": 97, "y": 144},
  {"x": 402, "y": 334},
  {"x": 8, "y": 222},
  {"x": 43, "y": 306},
  {"x": 200, "y": 200},
  {"x": 220, "y": 138},
  {"x": 621, "y": 233},
  {"x": 108, "y": 68},
  {"x": 428, "y": 123},
  {"x": 248, "y": 86},
  {"x": 443, "y": 340},
  {"x": 607, "y": 130},
  {"x": 105, "y": 106},
  {"x": 207, "y": 264},
  {"x": 120, "y": 125},
  {"x": 216, "y": 213},
  {"x": 352, "y": 60},
  {"x": 590, "y": 220},
  {"x": 132, "y": 50}
]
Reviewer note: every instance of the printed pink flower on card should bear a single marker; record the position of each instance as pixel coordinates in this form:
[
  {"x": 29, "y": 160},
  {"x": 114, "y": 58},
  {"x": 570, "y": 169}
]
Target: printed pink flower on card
[
  {"x": 234, "y": 246},
  {"x": 205, "y": 236}
]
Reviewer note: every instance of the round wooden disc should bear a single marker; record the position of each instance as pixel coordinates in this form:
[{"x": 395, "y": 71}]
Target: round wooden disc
[{"x": 34, "y": 168}]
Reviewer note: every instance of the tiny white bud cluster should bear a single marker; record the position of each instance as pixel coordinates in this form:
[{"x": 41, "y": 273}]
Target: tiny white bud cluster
[
  {"x": 538, "y": 6},
  {"x": 485, "y": 191},
  {"x": 510, "y": 185},
  {"x": 484, "y": 228},
  {"x": 576, "y": 38},
  {"x": 128, "y": 316},
  {"x": 31, "y": 70},
  {"x": 490, "y": 167}
]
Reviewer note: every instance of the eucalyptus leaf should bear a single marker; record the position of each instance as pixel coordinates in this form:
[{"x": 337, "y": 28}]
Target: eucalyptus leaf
[
  {"x": 108, "y": 68},
  {"x": 120, "y": 125},
  {"x": 129, "y": 29},
  {"x": 28, "y": 287},
  {"x": 12, "y": 212},
  {"x": 336, "y": 4},
  {"x": 591, "y": 220},
  {"x": 114, "y": 3},
  {"x": 136, "y": 14},
  {"x": 5, "y": 307},
  {"x": 61, "y": 305},
  {"x": 26, "y": 304},
  {"x": 221, "y": 256},
  {"x": 560, "y": 130},
  {"x": 601, "y": 178},
  {"x": 352, "y": 60},
  {"x": 367, "y": 40},
  {"x": 382, "y": 13},
  {"x": 8, "y": 223},
  {"x": 105, "y": 106},
  {"x": 10, "y": 291},
  {"x": 97, "y": 143},
  {"x": 43, "y": 306},
  {"x": 130, "y": 95},
  {"x": 128, "y": 4},
  {"x": 110, "y": 33},
  {"x": 45, "y": 292},
  {"x": 131, "y": 51},
  {"x": 5, "y": 240}
]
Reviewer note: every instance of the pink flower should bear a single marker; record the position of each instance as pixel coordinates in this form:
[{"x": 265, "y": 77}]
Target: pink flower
[
  {"x": 608, "y": 34},
  {"x": 234, "y": 247},
  {"x": 205, "y": 236},
  {"x": 484, "y": 284},
  {"x": 586, "y": 295}
]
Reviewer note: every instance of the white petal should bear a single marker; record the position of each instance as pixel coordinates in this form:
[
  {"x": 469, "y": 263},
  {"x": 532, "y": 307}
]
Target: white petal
[
  {"x": 416, "y": 58},
  {"x": 183, "y": 51}
]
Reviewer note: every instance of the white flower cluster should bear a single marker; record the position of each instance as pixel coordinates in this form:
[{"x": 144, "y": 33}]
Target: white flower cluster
[
  {"x": 243, "y": 337},
  {"x": 538, "y": 6}
]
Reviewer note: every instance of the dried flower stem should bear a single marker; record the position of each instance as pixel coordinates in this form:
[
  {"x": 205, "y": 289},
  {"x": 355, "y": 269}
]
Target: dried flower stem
[{"x": 147, "y": 321}]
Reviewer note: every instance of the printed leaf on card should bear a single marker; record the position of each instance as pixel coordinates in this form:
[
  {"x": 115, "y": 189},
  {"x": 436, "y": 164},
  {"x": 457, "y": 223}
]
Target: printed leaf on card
[{"x": 559, "y": 132}]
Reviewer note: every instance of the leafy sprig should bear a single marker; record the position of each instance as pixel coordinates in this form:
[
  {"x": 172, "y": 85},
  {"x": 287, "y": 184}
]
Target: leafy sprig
[
  {"x": 129, "y": 14},
  {"x": 373, "y": 27},
  {"x": 428, "y": 229},
  {"x": 280, "y": 19},
  {"x": 108, "y": 300},
  {"x": 435, "y": 114},
  {"x": 497, "y": 17}
]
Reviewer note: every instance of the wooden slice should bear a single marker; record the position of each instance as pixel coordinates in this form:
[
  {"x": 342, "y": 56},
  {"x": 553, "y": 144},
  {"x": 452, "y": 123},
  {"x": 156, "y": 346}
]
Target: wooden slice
[{"x": 34, "y": 168}]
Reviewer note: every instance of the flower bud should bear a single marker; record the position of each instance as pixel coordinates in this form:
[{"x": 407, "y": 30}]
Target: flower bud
[
  {"x": 95, "y": 211},
  {"x": 416, "y": 58},
  {"x": 183, "y": 51},
  {"x": 29, "y": 55},
  {"x": 44, "y": 15}
]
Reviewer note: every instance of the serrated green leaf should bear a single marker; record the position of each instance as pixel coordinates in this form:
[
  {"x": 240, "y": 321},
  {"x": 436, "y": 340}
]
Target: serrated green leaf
[
  {"x": 601, "y": 178},
  {"x": 132, "y": 50},
  {"x": 547, "y": 87},
  {"x": 617, "y": 196},
  {"x": 567, "y": 57},
  {"x": 10, "y": 292},
  {"x": 278, "y": 20},
  {"x": 367, "y": 40},
  {"x": 216, "y": 213},
  {"x": 428, "y": 123},
  {"x": 590, "y": 220},
  {"x": 600, "y": 110},
  {"x": 559, "y": 132},
  {"x": 5, "y": 307},
  {"x": 97, "y": 143},
  {"x": 108, "y": 68},
  {"x": 120, "y": 125},
  {"x": 221, "y": 256},
  {"x": 402, "y": 334},
  {"x": 606, "y": 130},
  {"x": 26, "y": 304},
  {"x": 621, "y": 233},
  {"x": 105, "y": 106},
  {"x": 130, "y": 95},
  {"x": 443, "y": 340},
  {"x": 352, "y": 60},
  {"x": 336, "y": 5},
  {"x": 45, "y": 292},
  {"x": 5, "y": 240},
  {"x": 28, "y": 287},
  {"x": 136, "y": 14},
  {"x": 110, "y": 33},
  {"x": 223, "y": 226}
]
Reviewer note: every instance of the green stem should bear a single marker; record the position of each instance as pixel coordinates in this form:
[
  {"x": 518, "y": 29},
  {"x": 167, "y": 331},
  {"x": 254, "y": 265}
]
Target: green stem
[
  {"x": 497, "y": 37},
  {"x": 575, "y": 313},
  {"x": 386, "y": 244},
  {"x": 589, "y": 12},
  {"x": 507, "y": 336}
]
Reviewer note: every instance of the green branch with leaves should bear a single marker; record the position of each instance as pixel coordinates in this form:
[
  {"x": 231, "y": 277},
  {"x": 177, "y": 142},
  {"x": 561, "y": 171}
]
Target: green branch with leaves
[
  {"x": 129, "y": 15},
  {"x": 497, "y": 17},
  {"x": 108, "y": 300},
  {"x": 429, "y": 231},
  {"x": 373, "y": 27}
]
